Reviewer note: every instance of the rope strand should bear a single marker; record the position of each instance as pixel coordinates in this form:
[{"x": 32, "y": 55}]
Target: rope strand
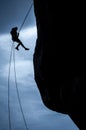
[
  {"x": 18, "y": 90},
  {"x": 13, "y": 53},
  {"x": 9, "y": 116},
  {"x": 9, "y": 111},
  {"x": 25, "y": 17}
]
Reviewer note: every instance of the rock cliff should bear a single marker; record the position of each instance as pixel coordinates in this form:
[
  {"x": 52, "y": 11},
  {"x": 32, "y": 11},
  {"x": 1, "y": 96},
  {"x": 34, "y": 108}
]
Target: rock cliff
[{"x": 59, "y": 57}]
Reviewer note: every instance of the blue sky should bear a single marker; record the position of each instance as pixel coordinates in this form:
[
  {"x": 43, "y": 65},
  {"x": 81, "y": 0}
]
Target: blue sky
[{"x": 37, "y": 116}]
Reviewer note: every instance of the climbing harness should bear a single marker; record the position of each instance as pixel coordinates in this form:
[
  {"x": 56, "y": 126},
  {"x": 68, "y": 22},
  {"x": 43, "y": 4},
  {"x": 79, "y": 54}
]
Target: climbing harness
[{"x": 12, "y": 55}]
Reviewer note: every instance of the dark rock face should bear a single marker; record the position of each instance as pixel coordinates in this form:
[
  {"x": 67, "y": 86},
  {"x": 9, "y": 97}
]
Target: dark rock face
[{"x": 59, "y": 58}]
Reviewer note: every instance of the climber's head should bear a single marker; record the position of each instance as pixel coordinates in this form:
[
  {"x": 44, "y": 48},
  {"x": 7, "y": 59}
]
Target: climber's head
[{"x": 15, "y": 28}]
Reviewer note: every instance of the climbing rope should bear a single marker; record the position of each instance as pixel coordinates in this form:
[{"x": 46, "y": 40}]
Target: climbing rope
[
  {"x": 18, "y": 90},
  {"x": 9, "y": 88},
  {"x": 12, "y": 54},
  {"x": 25, "y": 17}
]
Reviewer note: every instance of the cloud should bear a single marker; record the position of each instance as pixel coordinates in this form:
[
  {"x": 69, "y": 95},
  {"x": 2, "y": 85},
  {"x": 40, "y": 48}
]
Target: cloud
[
  {"x": 37, "y": 116},
  {"x": 23, "y": 59},
  {"x": 23, "y": 69},
  {"x": 27, "y": 34},
  {"x": 12, "y": 13}
]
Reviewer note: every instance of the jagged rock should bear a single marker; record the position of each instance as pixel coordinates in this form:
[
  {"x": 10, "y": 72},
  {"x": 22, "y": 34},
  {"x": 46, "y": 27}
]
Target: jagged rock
[{"x": 59, "y": 58}]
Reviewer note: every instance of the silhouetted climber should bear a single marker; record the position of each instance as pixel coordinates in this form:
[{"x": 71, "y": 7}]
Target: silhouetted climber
[{"x": 15, "y": 38}]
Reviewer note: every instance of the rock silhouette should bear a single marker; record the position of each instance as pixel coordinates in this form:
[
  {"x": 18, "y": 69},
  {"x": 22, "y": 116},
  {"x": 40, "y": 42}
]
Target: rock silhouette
[{"x": 59, "y": 57}]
